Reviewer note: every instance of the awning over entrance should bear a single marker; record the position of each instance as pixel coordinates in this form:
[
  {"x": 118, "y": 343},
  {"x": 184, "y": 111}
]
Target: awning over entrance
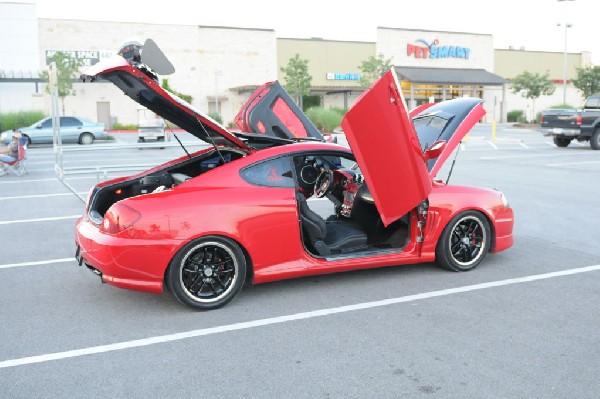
[{"x": 454, "y": 76}]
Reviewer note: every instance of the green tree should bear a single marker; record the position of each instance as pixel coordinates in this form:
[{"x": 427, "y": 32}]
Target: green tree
[
  {"x": 588, "y": 80},
  {"x": 67, "y": 71},
  {"x": 373, "y": 68},
  {"x": 297, "y": 79},
  {"x": 185, "y": 97},
  {"x": 532, "y": 86}
]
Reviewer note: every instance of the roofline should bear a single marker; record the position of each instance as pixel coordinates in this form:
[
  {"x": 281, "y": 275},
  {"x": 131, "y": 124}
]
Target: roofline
[
  {"x": 154, "y": 23},
  {"x": 320, "y": 39},
  {"x": 537, "y": 51},
  {"x": 435, "y": 31}
]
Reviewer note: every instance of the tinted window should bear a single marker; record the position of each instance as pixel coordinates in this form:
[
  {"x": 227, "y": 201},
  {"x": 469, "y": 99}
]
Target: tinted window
[
  {"x": 429, "y": 129},
  {"x": 68, "y": 121},
  {"x": 272, "y": 173},
  {"x": 47, "y": 123}
]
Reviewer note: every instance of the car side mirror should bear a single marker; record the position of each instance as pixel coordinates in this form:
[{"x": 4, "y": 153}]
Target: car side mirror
[
  {"x": 435, "y": 150},
  {"x": 39, "y": 126}
]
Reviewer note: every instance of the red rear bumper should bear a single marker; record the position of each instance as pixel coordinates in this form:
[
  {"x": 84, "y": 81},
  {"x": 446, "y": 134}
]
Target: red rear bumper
[{"x": 135, "y": 264}]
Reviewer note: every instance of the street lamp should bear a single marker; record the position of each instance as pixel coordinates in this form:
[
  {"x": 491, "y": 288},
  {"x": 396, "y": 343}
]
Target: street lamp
[
  {"x": 567, "y": 26},
  {"x": 217, "y": 73}
]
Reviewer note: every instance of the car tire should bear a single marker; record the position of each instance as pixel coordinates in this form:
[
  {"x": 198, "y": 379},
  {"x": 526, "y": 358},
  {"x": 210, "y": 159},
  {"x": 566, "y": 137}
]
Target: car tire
[
  {"x": 595, "y": 140},
  {"x": 561, "y": 141},
  {"x": 28, "y": 140},
  {"x": 86, "y": 138},
  {"x": 207, "y": 273},
  {"x": 464, "y": 243}
]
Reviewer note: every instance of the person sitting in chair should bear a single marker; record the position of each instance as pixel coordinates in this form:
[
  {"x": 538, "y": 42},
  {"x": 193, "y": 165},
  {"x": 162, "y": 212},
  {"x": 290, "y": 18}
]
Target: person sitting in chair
[{"x": 10, "y": 152}]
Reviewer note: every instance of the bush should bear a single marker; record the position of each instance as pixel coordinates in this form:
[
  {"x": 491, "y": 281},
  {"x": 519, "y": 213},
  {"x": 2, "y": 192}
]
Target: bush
[
  {"x": 124, "y": 126},
  {"x": 516, "y": 116},
  {"x": 563, "y": 106},
  {"x": 13, "y": 120},
  {"x": 217, "y": 117},
  {"x": 324, "y": 119}
]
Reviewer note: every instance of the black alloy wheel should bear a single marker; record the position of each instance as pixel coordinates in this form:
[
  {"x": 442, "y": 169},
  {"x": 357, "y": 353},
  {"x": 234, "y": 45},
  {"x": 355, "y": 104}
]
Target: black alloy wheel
[
  {"x": 207, "y": 273},
  {"x": 464, "y": 242}
]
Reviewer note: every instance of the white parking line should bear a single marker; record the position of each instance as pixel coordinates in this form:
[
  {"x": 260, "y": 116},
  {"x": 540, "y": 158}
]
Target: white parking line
[
  {"x": 21, "y": 181},
  {"x": 39, "y": 219},
  {"x": 284, "y": 319},
  {"x": 41, "y": 262},
  {"x": 572, "y": 163},
  {"x": 549, "y": 154},
  {"x": 20, "y": 197}
]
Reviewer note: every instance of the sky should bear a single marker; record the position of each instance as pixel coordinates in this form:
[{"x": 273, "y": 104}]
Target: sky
[{"x": 531, "y": 24}]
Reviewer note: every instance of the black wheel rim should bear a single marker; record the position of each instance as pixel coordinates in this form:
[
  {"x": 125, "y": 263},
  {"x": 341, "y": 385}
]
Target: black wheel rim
[
  {"x": 208, "y": 272},
  {"x": 467, "y": 241}
]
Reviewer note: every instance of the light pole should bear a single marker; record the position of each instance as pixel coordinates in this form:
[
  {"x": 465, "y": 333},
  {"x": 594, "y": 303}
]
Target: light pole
[
  {"x": 217, "y": 73},
  {"x": 567, "y": 26}
]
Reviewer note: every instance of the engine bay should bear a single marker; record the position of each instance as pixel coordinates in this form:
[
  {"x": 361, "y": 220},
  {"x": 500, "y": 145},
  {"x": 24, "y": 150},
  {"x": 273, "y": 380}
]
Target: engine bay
[{"x": 103, "y": 198}]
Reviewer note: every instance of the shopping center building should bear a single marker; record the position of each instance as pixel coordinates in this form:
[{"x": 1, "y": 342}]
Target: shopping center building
[{"x": 221, "y": 66}]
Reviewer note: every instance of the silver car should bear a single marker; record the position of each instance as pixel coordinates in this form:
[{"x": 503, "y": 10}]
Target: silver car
[{"x": 73, "y": 129}]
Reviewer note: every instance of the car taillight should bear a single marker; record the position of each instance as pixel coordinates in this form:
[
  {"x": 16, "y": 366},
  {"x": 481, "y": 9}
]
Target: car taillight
[
  {"x": 578, "y": 120},
  {"x": 118, "y": 218},
  {"x": 541, "y": 119}
]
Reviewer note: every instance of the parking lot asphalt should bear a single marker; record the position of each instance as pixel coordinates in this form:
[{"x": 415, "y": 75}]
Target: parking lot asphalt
[{"x": 524, "y": 324}]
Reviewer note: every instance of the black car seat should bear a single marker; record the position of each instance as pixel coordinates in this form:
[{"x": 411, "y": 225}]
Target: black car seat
[{"x": 328, "y": 238}]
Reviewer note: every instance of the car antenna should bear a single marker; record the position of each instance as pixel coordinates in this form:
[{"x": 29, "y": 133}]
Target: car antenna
[
  {"x": 212, "y": 141},
  {"x": 453, "y": 162}
]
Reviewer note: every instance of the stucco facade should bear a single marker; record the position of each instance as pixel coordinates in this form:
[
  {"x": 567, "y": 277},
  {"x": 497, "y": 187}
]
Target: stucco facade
[
  {"x": 208, "y": 61},
  {"x": 220, "y": 66}
]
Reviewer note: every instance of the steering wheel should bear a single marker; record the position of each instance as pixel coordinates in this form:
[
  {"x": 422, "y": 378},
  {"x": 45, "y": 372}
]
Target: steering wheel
[{"x": 323, "y": 183}]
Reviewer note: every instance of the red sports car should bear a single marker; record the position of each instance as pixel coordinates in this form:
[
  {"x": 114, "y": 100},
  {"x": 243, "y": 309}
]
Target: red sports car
[{"x": 206, "y": 223}]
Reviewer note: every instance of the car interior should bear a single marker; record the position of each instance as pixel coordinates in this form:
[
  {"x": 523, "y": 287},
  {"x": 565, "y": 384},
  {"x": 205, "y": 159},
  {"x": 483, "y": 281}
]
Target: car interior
[{"x": 354, "y": 224}]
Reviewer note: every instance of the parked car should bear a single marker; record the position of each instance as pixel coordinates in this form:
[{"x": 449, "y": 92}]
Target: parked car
[
  {"x": 566, "y": 125},
  {"x": 73, "y": 129},
  {"x": 202, "y": 225}
]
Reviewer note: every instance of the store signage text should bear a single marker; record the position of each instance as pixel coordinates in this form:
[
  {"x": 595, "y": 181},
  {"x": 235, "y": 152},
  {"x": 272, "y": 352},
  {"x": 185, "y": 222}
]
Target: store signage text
[
  {"x": 434, "y": 50},
  {"x": 89, "y": 57},
  {"x": 343, "y": 76}
]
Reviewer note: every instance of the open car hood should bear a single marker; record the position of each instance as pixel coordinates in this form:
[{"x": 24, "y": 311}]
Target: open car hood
[
  {"x": 270, "y": 111},
  {"x": 390, "y": 149},
  {"x": 138, "y": 84}
]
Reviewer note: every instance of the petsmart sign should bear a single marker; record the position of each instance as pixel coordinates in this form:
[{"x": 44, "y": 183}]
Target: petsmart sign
[{"x": 434, "y": 50}]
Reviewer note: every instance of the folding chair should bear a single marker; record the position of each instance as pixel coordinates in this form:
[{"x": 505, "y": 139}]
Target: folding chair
[{"x": 18, "y": 165}]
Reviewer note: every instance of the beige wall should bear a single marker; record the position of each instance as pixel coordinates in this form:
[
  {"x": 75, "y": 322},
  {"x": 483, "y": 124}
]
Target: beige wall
[
  {"x": 510, "y": 63},
  {"x": 208, "y": 60},
  {"x": 325, "y": 56}
]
